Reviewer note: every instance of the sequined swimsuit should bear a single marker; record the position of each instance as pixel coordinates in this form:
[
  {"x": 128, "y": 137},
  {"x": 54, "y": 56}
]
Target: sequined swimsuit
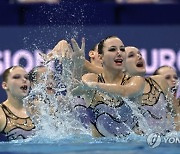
[
  {"x": 16, "y": 127},
  {"x": 156, "y": 113},
  {"x": 111, "y": 120},
  {"x": 80, "y": 111}
]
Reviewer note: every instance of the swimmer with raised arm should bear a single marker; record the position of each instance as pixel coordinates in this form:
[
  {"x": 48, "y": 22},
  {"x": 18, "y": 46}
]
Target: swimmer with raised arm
[
  {"x": 110, "y": 115},
  {"x": 156, "y": 89}
]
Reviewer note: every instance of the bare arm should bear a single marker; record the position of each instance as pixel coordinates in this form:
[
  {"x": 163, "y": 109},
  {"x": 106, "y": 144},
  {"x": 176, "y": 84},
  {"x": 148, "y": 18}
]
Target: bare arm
[
  {"x": 60, "y": 50},
  {"x": 132, "y": 89},
  {"x": 84, "y": 89}
]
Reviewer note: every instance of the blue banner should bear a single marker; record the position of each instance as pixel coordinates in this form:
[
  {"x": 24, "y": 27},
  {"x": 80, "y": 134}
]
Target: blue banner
[{"x": 159, "y": 45}]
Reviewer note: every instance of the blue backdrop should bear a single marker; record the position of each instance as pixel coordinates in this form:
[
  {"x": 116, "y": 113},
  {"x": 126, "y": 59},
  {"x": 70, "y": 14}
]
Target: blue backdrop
[{"x": 159, "y": 45}]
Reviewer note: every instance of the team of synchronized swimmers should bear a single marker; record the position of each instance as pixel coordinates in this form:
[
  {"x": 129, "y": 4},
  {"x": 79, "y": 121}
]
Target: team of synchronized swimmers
[{"x": 113, "y": 96}]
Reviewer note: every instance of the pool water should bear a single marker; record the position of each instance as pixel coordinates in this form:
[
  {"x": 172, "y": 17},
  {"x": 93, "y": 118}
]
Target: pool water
[
  {"x": 86, "y": 145},
  {"x": 58, "y": 139}
]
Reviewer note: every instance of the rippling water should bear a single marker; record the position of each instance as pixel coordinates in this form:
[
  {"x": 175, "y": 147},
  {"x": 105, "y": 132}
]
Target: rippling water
[{"x": 86, "y": 144}]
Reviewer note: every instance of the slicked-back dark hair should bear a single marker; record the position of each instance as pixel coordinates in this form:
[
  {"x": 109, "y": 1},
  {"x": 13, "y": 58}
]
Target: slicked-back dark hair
[
  {"x": 6, "y": 73},
  {"x": 101, "y": 43},
  {"x": 156, "y": 72}
]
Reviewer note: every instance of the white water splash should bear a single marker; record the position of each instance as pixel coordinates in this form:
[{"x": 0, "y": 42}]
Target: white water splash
[{"x": 53, "y": 114}]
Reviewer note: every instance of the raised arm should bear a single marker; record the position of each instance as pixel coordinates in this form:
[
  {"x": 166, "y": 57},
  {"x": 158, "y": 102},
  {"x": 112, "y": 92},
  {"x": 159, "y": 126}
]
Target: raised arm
[
  {"x": 78, "y": 57},
  {"x": 80, "y": 63},
  {"x": 60, "y": 50}
]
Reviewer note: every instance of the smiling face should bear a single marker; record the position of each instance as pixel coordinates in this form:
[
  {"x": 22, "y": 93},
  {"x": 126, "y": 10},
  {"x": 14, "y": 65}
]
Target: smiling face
[
  {"x": 16, "y": 83},
  {"x": 169, "y": 74},
  {"x": 135, "y": 64},
  {"x": 113, "y": 55}
]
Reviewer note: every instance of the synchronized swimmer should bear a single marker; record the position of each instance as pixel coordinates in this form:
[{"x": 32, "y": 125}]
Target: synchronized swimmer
[{"x": 110, "y": 91}]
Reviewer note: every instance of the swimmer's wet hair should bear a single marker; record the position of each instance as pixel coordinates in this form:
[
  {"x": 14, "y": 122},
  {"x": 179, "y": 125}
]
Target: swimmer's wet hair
[
  {"x": 6, "y": 73},
  {"x": 101, "y": 44},
  {"x": 156, "y": 72}
]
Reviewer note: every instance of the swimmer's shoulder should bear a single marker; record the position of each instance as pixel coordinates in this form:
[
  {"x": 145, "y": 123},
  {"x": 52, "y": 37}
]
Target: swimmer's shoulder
[
  {"x": 2, "y": 118},
  {"x": 138, "y": 80},
  {"x": 159, "y": 79},
  {"x": 90, "y": 77}
]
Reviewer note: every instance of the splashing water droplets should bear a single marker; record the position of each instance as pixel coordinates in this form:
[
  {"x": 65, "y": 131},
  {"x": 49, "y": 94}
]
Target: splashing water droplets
[{"x": 51, "y": 108}]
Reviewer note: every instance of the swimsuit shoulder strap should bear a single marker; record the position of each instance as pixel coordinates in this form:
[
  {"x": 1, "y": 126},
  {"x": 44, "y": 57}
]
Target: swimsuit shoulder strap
[
  {"x": 125, "y": 79},
  {"x": 101, "y": 78}
]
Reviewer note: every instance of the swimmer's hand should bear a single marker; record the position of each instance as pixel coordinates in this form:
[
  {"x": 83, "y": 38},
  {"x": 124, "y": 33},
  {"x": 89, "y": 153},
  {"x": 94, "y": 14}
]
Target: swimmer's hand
[
  {"x": 46, "y": 58},
  {"x": 81, "y": 88},
  {"x": 78, "y": 55},
  {"x": 78, "y": 58},
  {"x": 92, "y": 85}
]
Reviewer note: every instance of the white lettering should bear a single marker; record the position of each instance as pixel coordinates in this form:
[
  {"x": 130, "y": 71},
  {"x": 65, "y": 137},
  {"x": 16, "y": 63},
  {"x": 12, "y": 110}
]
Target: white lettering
[
  {"x": 177, "y": 140},
  {"x": 7, "y": 59},
  {"x": 154, "y": 61},
  {"x": 25, "y": 55},
  {"x": 1, "y": 63},
  {"x": 167, "y": 57},
  {"x": 172, "y": 140},
  {"x": 165, "y": 139},
  {"x": 178, "y": 60}
]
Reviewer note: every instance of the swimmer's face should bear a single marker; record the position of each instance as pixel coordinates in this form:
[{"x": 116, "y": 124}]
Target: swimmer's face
[
  {"x": 113, "y": 55},
  {"x": 17, "y": 84},
  {"x": 135, "y": 64},
  {"x": 46, "y": 77},
  {"x": 169, "y": 74}
]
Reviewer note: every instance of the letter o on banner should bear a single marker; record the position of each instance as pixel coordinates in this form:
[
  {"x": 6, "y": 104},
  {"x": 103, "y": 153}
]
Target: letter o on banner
[
  {"x": 178, "y": 61},
  {"x": 23, "y": 54}
]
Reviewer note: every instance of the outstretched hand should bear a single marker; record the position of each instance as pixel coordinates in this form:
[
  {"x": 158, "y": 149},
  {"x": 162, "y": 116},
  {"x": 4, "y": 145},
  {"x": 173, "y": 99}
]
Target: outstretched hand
[
  {"x": 79, "y": 88},
  {"x": 78, "y": 55},
  {"x": 78, "y": 58}
]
